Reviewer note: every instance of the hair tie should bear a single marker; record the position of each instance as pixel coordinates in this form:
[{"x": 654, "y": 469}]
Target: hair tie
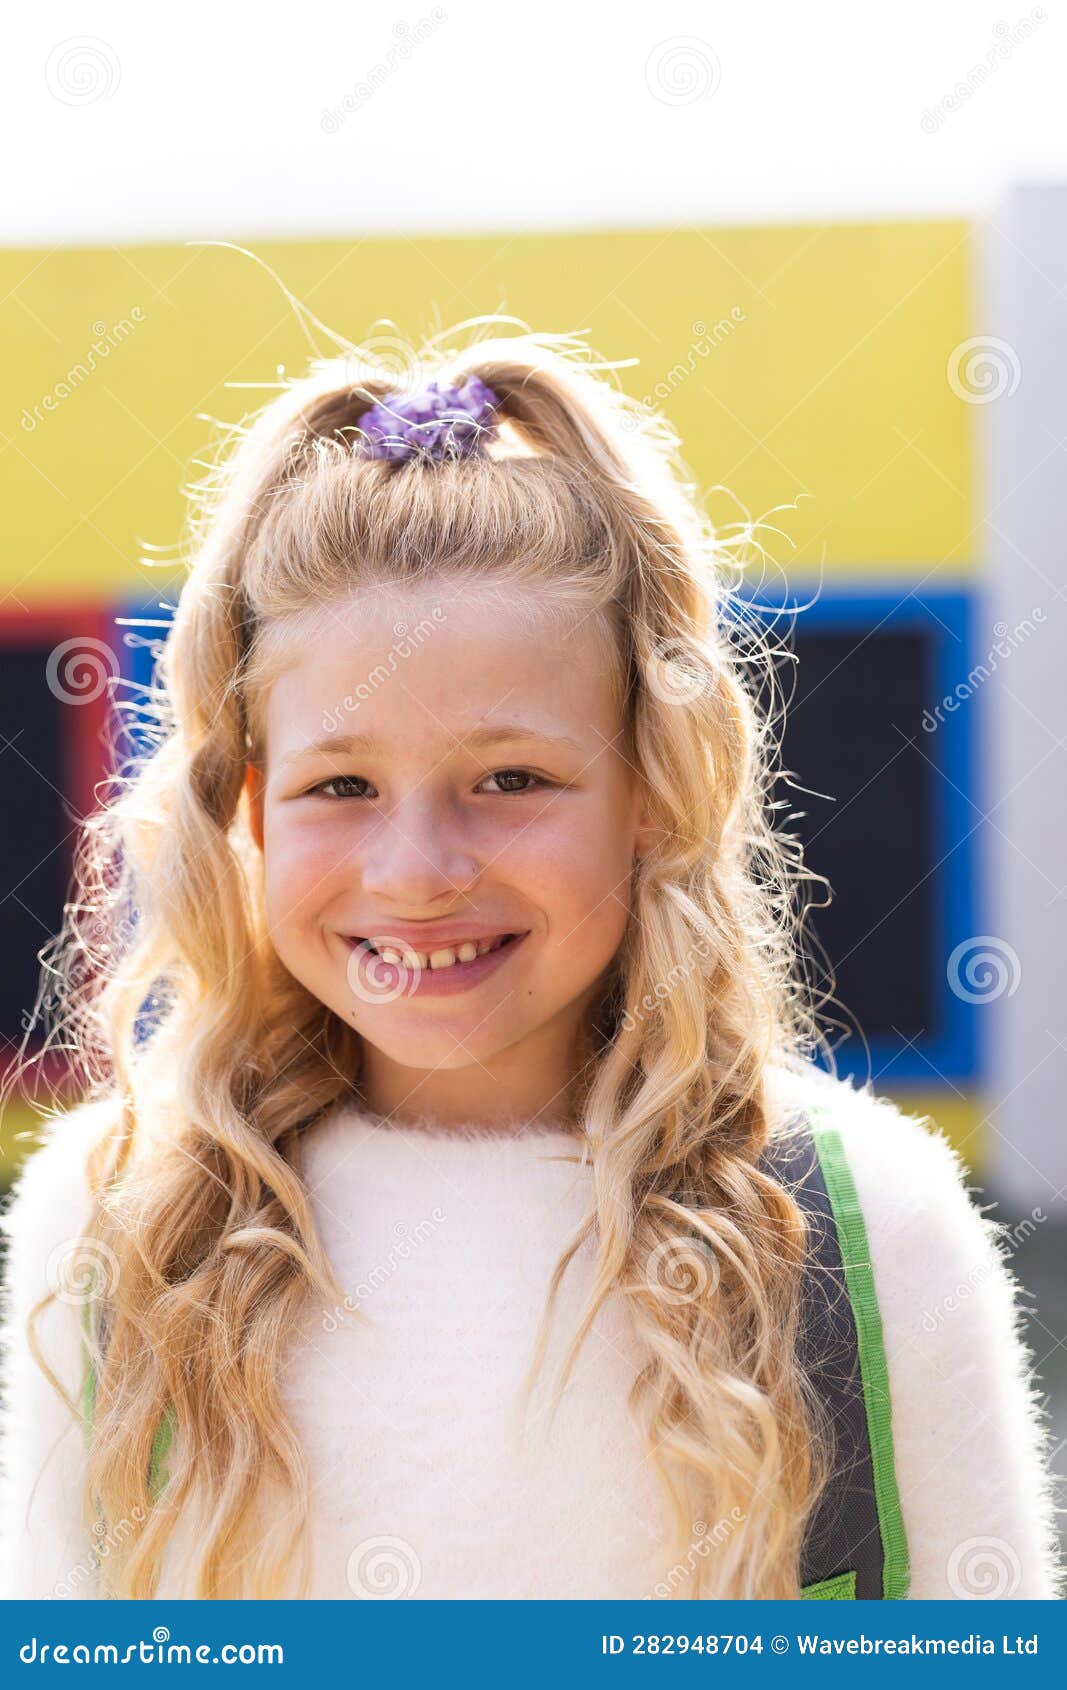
[{"x": 435, "y": 423}]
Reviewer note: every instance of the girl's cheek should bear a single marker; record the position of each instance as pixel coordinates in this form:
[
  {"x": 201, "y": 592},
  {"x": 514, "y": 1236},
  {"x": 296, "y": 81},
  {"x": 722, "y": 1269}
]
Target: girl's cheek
[
  {"x": 590, "y": 847},
  {"x": 565, "y": 857},
  {"x": 301, "y": 863}
]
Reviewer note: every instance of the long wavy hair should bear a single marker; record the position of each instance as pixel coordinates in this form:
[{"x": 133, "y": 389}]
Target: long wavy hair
[{"x": 166, "y": 992}]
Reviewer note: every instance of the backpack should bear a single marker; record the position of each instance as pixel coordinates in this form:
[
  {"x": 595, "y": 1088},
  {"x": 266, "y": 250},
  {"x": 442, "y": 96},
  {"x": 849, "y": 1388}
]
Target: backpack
[{"x": 854, "y": 1547}]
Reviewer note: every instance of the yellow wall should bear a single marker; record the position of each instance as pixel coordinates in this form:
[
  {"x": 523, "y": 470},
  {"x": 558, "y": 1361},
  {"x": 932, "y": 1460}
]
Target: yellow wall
[
  {"x": 823, "y": 385},
  {"x": 827, "y": 381}
]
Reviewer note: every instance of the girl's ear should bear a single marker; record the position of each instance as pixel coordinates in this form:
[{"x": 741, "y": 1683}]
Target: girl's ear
[
  {"x": 647, "y": 832},
  {"x": 254, "y": 792}
]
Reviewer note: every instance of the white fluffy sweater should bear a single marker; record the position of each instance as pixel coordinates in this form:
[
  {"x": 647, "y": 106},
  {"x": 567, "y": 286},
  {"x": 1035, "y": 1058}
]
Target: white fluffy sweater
[{"x": 446, "y": 1241}]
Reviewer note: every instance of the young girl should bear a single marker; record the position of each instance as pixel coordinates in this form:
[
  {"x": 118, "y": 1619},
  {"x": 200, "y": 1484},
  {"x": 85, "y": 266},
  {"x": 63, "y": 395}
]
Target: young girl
[{"x": 436, "y": 989}]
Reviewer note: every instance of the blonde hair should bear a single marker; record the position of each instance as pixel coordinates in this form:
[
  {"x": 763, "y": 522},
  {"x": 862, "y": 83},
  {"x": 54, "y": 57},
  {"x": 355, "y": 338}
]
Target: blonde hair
[{"x": 172, "y": 999}]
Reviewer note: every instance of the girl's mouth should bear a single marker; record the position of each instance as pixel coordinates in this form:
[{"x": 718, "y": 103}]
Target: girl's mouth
[{"x": 436, "y": 973}]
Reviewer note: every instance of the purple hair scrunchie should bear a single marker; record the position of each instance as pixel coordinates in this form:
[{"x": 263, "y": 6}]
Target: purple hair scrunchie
[{"x": 435, "y": 423}]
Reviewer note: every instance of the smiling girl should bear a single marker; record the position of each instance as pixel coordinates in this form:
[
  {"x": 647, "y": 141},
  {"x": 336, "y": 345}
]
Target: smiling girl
[{"x": 436, "y": 987}]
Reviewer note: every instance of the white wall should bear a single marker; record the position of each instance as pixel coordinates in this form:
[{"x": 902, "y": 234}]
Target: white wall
[{"x": 1022, "y": 302}]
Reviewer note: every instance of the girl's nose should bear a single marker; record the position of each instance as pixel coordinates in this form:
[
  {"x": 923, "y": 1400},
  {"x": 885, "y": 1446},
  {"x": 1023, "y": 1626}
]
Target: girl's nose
[{"x": 414, "y": 856}]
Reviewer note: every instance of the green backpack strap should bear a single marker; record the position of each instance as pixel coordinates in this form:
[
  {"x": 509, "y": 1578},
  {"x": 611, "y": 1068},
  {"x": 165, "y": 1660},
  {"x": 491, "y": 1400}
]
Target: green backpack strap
[
  {"x": 855, "y": 1546},
  {"x": 874, "y": 1369},
  {"x": 157, "y": 1471},
  {"x": 840, "y": 1589}
]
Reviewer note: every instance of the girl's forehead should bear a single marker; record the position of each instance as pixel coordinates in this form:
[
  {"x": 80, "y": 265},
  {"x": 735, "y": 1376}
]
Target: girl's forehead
[
  {"x": 465, "y": 609},
  {"x": 474, "y": 650},
  {"x": 392, "y": 626}
]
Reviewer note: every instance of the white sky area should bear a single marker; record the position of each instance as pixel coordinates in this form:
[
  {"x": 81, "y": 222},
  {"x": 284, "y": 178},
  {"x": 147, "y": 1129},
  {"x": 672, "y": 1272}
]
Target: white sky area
[{"x": 139, "y": 123}]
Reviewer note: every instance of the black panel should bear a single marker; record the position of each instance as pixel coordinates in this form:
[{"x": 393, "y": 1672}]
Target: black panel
[
  {"x": 34, "y": 863},
  {"x": 851, "y": 733}
]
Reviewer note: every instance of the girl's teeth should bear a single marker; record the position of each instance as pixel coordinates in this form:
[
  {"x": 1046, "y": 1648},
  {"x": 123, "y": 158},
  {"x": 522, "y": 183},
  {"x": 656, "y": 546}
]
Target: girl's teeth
[{"x": 445, "y": 957}]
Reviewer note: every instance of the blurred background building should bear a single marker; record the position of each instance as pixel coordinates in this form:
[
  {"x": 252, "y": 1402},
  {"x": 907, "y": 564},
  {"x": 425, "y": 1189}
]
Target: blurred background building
[{"x": 842, "y": 272}]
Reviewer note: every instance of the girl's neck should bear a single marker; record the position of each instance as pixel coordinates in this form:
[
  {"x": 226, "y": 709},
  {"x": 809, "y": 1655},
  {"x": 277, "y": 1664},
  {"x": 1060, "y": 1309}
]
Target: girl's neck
[
  {"x": 476, "y": 1122},
  {"x": 518, "y": 1090},
  {"x": 471, "y": 1130}
]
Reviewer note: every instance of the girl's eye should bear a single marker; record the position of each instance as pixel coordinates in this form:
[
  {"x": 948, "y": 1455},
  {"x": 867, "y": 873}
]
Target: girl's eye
[
  {"x": 505, "y": 776},
  {"x": 337, "y": 780},
  {"x": 523, "y": 774}
]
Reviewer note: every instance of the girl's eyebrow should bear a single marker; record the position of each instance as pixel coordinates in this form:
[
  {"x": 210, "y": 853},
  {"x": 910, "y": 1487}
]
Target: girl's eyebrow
[{"x": 343, "y": 744}]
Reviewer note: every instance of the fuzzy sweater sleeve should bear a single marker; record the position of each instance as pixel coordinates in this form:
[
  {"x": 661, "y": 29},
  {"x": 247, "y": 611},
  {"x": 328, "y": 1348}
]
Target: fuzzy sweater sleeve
[
  {"x": 969, "y": 1439},
  {"x": 46, "y": 1550}
]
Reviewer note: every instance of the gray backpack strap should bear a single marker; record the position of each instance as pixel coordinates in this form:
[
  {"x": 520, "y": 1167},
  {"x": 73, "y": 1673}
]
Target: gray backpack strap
[{"x": 854, "y": 1544}]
